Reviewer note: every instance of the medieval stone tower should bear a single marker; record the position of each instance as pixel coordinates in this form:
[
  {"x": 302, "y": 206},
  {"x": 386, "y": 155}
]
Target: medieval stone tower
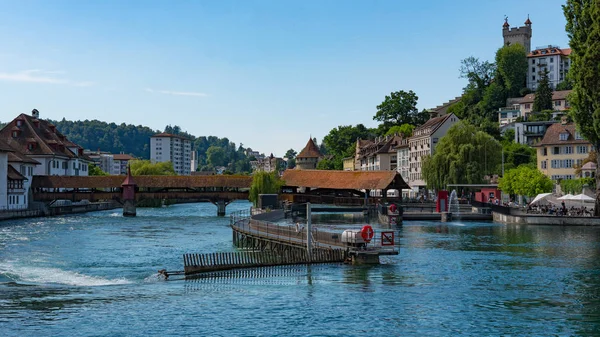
[{"x": 521, "y": 35}]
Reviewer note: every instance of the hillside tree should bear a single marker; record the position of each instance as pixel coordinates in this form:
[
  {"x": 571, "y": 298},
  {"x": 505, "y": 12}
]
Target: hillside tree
[
  {"x": 583, "y": 28},
  {"x": 543, "y": 94}
]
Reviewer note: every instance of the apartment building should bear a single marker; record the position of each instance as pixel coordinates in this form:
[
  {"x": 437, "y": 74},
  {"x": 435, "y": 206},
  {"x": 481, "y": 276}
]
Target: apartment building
[
  {"x": 379, "y": 154},
  {"x": 423, "y": 143},
  {"x": 174, "y": 148},
  {"x": 550, "y": 58},
  {"x": 560, "y": 149}
]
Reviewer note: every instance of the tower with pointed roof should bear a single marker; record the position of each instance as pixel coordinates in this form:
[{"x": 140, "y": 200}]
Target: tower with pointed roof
[
  {"x": 309, "y": 157},
  {"x": 521, "y": 35}
]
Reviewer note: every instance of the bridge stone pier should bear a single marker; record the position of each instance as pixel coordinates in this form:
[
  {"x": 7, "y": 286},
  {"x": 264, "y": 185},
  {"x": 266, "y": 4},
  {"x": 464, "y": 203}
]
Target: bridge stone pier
[
  {"x": 221, "y": 206},
  {"x": 128, "y": 187}
]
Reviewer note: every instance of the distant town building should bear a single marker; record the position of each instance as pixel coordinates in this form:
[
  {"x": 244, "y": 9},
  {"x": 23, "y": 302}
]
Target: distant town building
[
  {"x": 174, "y": 148},
  {"x": 559, "y": 102},
  {"x": 530, "y": 133},
  {"x": 40, "y": 140},
  {"x": 309, "y": 157},
  {"x": 120, "y": 163},
  {"x": 442, "y": 110},
  {"x": 403, "y": 155},
  {"x": 551, "y": 58},
  {"x": 588, "y": 170},
  {"x": 423, "y": 143},
  {"x": 194, "y": 166},
  {"x": 348, "y": 164},
  {"x": 113, "y": 164},
  {"x": 520, "y": 35},
  {"x": 379, "y": 154},
  {"x": 269, "y": 164},
  {"x": 561, "y": 148},
  {"x": 509, "y": 115}
]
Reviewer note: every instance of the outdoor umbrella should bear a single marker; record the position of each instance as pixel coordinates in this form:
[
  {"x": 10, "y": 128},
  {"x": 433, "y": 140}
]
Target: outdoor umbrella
[
  {"x": 540, "y": 197},
  {"x": 566, "y": 197}
]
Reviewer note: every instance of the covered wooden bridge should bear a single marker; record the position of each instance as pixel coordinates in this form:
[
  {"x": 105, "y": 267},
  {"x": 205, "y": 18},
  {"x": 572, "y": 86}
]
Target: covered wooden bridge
[
  {"x": 351, "y": 188},
  {"x": 219, "y": 189}
]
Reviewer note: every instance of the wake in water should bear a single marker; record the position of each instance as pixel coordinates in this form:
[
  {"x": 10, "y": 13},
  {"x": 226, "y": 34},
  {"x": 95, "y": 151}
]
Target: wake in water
[{"x": 43, "y": 275}]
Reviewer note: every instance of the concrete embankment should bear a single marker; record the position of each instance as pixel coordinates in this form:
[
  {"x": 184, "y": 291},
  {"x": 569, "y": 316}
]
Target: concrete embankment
[{"x": 552, "y": 220}]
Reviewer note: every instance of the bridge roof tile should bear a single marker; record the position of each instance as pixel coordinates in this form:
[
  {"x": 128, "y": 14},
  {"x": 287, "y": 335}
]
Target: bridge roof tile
[
  {"x": 142, "y": 181},
  {"x": 355, "y": 180}
]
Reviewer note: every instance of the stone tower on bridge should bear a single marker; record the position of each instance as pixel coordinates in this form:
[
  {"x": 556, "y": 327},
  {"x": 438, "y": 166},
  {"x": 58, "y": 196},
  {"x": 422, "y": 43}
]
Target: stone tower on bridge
[
  {"x": 309, "y": 157},
  {"x": 521, "y": 35}
]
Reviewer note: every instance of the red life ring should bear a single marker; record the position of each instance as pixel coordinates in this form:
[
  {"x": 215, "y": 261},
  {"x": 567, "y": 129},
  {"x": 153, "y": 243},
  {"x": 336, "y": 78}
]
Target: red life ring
[
  {"x": 367, "y": 233},
  {"x": 393, "y": 208}
]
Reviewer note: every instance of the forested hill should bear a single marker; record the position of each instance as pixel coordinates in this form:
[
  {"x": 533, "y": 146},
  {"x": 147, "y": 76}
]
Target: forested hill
[
  {"x": 135, "y": 140},
  {"x": 110, "y": 137}
]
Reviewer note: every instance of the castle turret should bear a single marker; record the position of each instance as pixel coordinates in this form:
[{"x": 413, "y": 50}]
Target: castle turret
[{"x": 521, "y": 35}]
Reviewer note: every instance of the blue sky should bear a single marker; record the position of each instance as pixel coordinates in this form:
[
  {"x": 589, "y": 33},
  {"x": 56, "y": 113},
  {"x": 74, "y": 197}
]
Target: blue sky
[{"x": 267, "y": 74}]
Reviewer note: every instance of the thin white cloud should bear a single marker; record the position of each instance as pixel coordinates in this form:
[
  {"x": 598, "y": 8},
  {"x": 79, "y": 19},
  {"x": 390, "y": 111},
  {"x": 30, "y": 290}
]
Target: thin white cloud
[
  {"x": 41, "y": 76},
  {"x": 178, "y": 93}
]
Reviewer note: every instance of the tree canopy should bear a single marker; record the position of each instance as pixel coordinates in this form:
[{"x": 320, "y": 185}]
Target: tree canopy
[
  {"x": 543, "y": 94},
  {"x": 406, "y": 130},
  {"x": 464, "y": 155},
  {"x": 525, "y": 180},
  {"x": 511, "y": 63},
  {"x": 340, "y": 143},
  {"x": 583, "y": 29},
  {"x": 264, "y": 183},
  {"x": 96, "y": 171},
  {"x": 399, "y": 108},
  {"x": 147, "y": 168}
]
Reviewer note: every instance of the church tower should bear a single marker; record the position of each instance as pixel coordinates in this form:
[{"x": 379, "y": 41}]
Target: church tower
[{"x": 521, "y": 35}]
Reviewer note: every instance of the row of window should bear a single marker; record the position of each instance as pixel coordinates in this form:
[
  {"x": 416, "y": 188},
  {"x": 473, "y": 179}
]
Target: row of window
[
  {"x": 557, "y": 150},
  {"x": 14, "y": 199},
  {"x": 562, "y": 176},
  {"x": 56, "y": 164}
]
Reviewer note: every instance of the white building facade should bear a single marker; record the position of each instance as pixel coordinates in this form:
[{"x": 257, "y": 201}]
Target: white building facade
[
  {"x": 176, "y": 149},
  {"x": 423, "y": 143},
  {"x": 551, "y": 58}
]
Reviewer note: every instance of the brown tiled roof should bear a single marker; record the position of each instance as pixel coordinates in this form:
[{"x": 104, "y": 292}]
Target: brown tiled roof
[
  {"x": 47, "y": 142},
  {"x": 229, "y": 181},
  {"x": 4, "y": 147},
  {"x": 13, "y": 174},
  {"x": 122, "y": 157},
  {"x": 310, "y": 150},
  {"x": 17, "y": 157},
  {"x": 353, "y": 180},
  {"x": 434, "y": 123},
  {"x": 550, "y": 51},
  {"x": 556, "y": 96},
  {"x": 552, "y": 136}
]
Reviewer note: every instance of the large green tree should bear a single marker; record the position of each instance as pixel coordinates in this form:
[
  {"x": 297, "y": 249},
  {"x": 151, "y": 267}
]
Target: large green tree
[
  {"x": 399, "y": 108},
  {"x": 511, "y": 63},
  {"x": 216, "y": 156},
  {"x": 264, "y": 183},
  {"x": 525, "y": 180},
  {"x": 464, "y": 155},
  {"x": 405, "y": 130},
  {"x": 583, "y": 28},
  {"x": 147, "y": 168},
  {"x": 341, "y": 143},
  {"x": 543, "y": 94}
]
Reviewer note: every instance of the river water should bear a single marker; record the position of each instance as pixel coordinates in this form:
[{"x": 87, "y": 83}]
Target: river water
[{"x": 95, "y": 275}]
